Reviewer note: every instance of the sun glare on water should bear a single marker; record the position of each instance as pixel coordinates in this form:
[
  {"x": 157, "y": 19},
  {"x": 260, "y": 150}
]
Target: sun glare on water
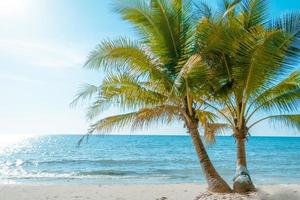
[{"x": 12, "y": 141}]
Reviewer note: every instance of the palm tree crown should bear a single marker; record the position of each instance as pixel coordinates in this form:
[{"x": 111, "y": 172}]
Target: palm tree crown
[
  {"x": 229, "y": 64},
  {"x": 252, "y": 64},
  {"x": 149, "y": 76}
]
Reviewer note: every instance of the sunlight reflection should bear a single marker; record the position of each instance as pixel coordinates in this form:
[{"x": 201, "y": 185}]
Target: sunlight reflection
[{"x": 12, "y": 142}]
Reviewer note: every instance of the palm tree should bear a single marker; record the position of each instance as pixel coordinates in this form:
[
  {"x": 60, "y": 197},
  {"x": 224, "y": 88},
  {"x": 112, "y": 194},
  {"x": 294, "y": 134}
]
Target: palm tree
[
  {"x": 252, "y": 65},
  {"x": 149, "y": 76}
]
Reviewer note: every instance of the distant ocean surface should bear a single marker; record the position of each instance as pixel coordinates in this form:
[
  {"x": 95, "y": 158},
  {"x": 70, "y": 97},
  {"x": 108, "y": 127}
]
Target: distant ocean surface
[{"x": 141, "y": 159}]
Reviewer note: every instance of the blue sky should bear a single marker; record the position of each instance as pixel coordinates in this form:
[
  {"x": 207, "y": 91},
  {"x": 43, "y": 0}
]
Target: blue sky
[{"x": 43, "y": 45}]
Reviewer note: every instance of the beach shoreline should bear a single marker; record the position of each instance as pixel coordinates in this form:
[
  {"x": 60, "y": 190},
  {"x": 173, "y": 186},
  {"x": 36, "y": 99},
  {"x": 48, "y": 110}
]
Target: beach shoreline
[{"x": 139, "y": 192}]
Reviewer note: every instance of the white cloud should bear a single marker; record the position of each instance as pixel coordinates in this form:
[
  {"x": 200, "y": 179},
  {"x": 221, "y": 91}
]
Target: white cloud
[
  {"x": 13, "y": 77},
  {"x": 14, "y": 8},
  {"x": 42, "y": 54}
]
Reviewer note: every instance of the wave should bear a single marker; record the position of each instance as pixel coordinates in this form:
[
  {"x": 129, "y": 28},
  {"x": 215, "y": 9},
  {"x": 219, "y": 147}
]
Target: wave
[
  {"x": 23, "y": 174},
  {"x": 102, "y": 161},
  {"x": 71, "y": 162},
  {"x": 178, "y": 171},
  {"x": 107, "y": 172},
  {"x": 71, "y": 175},
  {"x": 94, "y": 162}
]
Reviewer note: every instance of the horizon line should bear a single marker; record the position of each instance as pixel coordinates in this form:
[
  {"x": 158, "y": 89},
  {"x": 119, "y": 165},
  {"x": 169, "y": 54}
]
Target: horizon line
[{"x": 182, "y": 135}]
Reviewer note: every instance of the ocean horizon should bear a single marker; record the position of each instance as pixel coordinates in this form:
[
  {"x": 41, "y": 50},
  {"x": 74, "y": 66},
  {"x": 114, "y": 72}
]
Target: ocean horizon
[{"x": 142, "y": 159}]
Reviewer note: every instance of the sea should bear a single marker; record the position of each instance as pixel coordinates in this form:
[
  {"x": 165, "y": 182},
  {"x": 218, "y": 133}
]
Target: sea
[{"x": 58, "y": 159}]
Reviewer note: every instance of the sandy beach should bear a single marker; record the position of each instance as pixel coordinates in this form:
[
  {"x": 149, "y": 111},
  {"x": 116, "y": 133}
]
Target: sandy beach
[{"x": 139, "y": 192}]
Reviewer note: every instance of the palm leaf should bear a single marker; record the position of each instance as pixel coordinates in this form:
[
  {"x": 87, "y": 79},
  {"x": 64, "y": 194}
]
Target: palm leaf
[
  {"x": 254, "y": 12},
  {"x": 202, "y": 9},
  {"x": 212, "y": 129},
  {"x": 290, "y": 83},
  {"x": 86, "y": 92},
  {"x": 122, "y": 53},
  {"x": 290, "y": 24},
  {"x": 291, "y": 121},
  {"x": 126, "y": 90},
  {"x": 282, "y": 97},
  {"x": 230, "y": 8},
  {"x": 112, "y": 123},
  {"x": 137, "y": 12},
  {"x": 166, "y": 20},
  {"x": 140, "y": 119}
]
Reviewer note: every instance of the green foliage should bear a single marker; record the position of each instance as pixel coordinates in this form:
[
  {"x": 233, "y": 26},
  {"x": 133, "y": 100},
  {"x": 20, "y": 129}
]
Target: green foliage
[
  {"x": 251, "y": 61},
  {"x": 204, "y": 63},
  {"x": 142, "y": 76},
  {"x": 124, "y": 55},
  {"x": 86, "y": 92},
  {"x": 136, "y": 120},
  {"x": 254, "y": 13},
  {"x": 292, "y": 121}
]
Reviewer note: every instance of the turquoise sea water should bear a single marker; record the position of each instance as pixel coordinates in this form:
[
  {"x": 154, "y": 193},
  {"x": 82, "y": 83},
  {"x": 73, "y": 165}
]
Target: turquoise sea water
[{"x": 141, "y": 159}]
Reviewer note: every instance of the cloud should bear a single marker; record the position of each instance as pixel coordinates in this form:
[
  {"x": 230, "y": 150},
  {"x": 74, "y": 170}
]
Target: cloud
[
  {"x": 42, "y": 54},
  {"x": 12, "y": 77}
]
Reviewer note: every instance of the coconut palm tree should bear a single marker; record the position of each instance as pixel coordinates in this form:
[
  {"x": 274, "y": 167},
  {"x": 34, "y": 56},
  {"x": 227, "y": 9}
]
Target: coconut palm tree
[
  {"x": 149, "y": 76},
  {"x": 252, "y": 63}
]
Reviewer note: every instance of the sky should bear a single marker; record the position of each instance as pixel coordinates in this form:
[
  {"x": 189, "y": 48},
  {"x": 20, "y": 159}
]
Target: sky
[{"x": 43, "y": 46}]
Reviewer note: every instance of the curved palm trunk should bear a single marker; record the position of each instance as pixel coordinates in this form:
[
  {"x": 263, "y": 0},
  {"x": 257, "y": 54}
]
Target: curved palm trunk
[
  {"x": 242, "y": 182},
  {"x": 214, "y": 180}
]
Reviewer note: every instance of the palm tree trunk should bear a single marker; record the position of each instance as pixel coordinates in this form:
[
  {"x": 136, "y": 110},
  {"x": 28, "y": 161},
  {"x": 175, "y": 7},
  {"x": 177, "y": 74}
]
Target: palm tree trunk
[
  {"x": 214, "y": 180},
  {"x": 242, "y": 182}
]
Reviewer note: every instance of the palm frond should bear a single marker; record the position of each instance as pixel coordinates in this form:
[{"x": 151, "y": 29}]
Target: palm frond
[
  {"x": 126, "y": 90},
  {"x": 164, "y": 115},
  {"x": 178, "y": 4},
  {"x": 259, "y": 62},
  {"x": 205, "y": 116},
  {"x": 165, "y": 18},
  {"x": 123, "y": 53},
  {"x": 289, "y": 23},
  {"x": 254, "y": 12},
  {"x": 186, "y": 68},
  {"x": 290, "y": 83},
  {"x": 286, "y": 102},
  {"x": 202, "y": 9},
  {"x": 97, "y": 107},
  {"x": 85, "y": 92},
  {"x": 112, "y": 123},
  {"x": 212, "y": 129},
  {"x": 230, "y": 8},
  {"x": 165, "y": 27},
  {"x": 282, "y": 97},
  {"x": 291, "y": 121},
  {"x": 140, "y": 119},
  {"x": 137, "y": 12}
]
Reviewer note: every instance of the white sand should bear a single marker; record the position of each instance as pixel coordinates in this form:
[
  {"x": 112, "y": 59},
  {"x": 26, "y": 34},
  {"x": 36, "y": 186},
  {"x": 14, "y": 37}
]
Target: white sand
[{"x": 137, "y": 192}]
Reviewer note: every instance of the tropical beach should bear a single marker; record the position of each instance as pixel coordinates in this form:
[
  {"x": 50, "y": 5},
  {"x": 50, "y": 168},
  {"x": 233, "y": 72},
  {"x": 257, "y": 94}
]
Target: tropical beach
[
  {"x": 35, "y": 168},
  {"x": 137, "y": 192},
  {"x": 169, "y": 99}
]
